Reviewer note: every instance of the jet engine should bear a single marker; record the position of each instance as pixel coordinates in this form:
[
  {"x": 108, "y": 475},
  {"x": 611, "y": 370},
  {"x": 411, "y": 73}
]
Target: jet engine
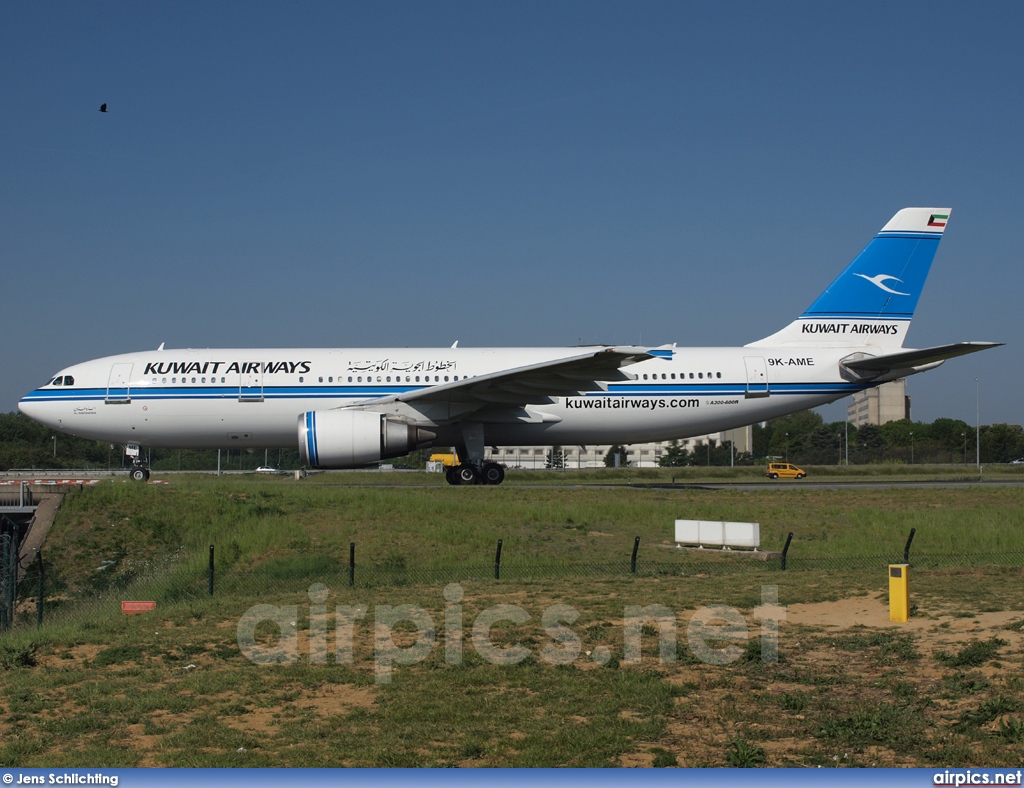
[{"x": 350, "y": 438}]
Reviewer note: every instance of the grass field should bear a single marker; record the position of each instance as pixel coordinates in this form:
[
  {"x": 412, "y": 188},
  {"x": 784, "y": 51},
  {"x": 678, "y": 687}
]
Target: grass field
[{"x": 174, "y": 688}]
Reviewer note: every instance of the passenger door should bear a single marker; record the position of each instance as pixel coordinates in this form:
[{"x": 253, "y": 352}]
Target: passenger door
[
  {"x": 757, "y": 376},
  {"x": 119, "y": 384}
]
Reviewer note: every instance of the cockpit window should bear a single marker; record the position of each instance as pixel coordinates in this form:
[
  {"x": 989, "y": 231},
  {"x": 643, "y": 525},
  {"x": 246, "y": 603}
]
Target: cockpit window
[
  {"x": 69, "y": 381},
  {"x": 57, "y": 382}
]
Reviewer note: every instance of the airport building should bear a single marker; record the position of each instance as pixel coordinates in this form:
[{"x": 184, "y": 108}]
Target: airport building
[
  {"x": 639, "y": 455},
  {"x": 879, "y": 405}
]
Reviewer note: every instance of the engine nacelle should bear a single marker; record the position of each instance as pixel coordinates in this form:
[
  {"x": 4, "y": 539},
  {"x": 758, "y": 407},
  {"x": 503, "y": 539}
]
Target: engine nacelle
[{"x": 351, "y": 438}]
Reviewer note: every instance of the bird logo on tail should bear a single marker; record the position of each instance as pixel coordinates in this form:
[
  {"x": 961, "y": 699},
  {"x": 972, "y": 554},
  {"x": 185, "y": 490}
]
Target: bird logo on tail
[{"x": 878, "y": 281}]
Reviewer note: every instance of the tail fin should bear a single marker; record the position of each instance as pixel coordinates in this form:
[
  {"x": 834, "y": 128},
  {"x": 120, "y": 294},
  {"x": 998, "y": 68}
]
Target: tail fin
[{"x": 872, "y": 301}]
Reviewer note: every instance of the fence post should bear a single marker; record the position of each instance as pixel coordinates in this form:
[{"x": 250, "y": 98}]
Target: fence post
[
  {"x": 4, "y": 581},
  {"x": 497, "y": 562},
  {"x": 211, "y": 570},
  {"x": 906, "y": 549},
  {"x": 785, "y": 550},
  {"x": 39, "y": 602},
  {"x": 12, "y": 569},
  {"x": 632, "y": 561},
  {"x": 351, "y": 564}
]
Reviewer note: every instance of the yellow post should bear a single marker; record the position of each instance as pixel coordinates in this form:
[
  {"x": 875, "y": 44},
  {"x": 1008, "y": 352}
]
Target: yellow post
[{"x": 899, "y": 593}]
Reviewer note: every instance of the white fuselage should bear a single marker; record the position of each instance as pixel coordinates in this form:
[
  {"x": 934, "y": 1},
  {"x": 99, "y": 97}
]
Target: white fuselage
[{"x": 253, "y": 397}]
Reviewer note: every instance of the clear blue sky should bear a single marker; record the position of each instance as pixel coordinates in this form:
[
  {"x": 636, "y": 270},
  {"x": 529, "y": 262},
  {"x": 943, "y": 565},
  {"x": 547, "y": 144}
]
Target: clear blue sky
[{"x": 500, "y": 173}]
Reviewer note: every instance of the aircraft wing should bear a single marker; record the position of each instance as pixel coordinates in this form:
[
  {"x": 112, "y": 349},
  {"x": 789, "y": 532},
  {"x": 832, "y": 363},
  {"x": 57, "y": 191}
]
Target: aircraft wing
[
  {"x": 534, "y": 384},
  {"x": 908, "y": 359}
]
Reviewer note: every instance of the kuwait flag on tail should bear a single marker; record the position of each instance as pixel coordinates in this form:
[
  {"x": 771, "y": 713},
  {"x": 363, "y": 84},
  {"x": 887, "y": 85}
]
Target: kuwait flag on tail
[{"x": 938, "y": 220}]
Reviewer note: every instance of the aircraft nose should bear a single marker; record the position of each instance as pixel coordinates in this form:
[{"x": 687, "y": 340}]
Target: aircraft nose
[{"x": 34, "y": 410}]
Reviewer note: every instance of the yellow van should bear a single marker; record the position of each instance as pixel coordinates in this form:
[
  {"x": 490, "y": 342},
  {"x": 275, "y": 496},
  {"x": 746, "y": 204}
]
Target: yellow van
[{"x": 783, "y": 470}]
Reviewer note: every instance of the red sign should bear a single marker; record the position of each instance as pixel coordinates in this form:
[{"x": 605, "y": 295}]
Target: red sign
[{"x": 137, "y": 607}]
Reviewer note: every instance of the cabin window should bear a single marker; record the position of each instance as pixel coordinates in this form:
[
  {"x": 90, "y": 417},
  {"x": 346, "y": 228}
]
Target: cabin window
[
  {"x": 645, "y": 376},
  {"x": 718, "y": 374},
  {"x": 163, "y": 380},
  {"x": 389, "y": 378},
  {"x": 301, "y": 378},
  {"x": 700, "y": 375}
]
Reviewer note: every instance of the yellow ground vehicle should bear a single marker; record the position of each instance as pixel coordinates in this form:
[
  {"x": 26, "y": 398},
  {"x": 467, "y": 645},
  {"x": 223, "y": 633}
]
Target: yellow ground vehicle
[
  {"x": 783, "y": 470},
  {"x": 448, "y": 460}
]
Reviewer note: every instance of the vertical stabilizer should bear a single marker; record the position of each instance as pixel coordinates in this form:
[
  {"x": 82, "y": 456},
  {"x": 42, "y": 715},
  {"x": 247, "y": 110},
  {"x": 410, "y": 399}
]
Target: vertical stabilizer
[{"x": 873, "y": 300}]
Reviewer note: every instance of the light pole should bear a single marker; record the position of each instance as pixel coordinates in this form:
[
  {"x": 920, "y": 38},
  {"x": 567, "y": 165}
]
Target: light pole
[
  {"x": 964, "y": 436},
  {"x": 911, "y": 447},
  {"x": 54, "y": 437},
  {"x": 787, "y": 447},
  {"x": 977, "y": 422}
]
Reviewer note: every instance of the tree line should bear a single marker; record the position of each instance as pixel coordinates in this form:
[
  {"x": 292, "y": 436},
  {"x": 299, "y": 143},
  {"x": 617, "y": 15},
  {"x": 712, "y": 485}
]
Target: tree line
[
  {"x": 30, "y": 445},
  {"x": 799, "y": 438},
  {"x": 805, "y": 438}
]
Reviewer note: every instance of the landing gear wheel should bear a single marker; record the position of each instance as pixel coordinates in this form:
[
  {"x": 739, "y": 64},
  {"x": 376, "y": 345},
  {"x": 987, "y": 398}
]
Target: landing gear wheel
[
  {"x": 493, "y": 473},
  {"x": 467, "y": 474},
  {"x": 451, "y": 475},
  {"x": 139, "y": 474}
]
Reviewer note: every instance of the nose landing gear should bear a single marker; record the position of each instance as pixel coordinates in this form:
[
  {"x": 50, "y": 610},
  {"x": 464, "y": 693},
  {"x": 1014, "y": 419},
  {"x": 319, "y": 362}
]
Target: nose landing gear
[{"x": 139, "y": 472}]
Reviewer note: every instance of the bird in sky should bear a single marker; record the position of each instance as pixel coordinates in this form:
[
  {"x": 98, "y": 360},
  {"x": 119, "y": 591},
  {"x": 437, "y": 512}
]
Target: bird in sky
[{"x": 103, "y": 107}]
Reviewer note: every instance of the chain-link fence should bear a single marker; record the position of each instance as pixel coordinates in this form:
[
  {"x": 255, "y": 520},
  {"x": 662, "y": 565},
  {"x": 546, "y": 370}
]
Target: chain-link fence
[
  {"x": 8, "y": 573},
  {"x": 44, "y": 595}
]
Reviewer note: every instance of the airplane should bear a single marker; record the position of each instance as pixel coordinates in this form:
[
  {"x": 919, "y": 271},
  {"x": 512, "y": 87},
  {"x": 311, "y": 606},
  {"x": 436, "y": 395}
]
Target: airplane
[{"x": 348, "y": 408}]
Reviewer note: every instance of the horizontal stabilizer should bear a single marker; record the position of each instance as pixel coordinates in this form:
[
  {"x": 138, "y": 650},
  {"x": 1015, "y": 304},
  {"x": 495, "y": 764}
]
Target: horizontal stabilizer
[{"x": 908, "y": 359}]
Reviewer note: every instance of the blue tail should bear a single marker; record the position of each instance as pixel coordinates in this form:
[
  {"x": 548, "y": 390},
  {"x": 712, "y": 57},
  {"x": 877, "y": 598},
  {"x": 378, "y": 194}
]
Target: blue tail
[
  {"x": 886, "y": 279},
  {"x": 874, "y": 298}
]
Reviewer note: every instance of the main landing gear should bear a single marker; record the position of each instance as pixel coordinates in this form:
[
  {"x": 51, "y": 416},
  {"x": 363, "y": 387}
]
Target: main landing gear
[{"x": 470, "y": 473}]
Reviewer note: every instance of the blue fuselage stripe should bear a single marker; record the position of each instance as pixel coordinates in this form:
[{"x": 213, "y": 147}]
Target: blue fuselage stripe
[{"x": 371, "y": 392}]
